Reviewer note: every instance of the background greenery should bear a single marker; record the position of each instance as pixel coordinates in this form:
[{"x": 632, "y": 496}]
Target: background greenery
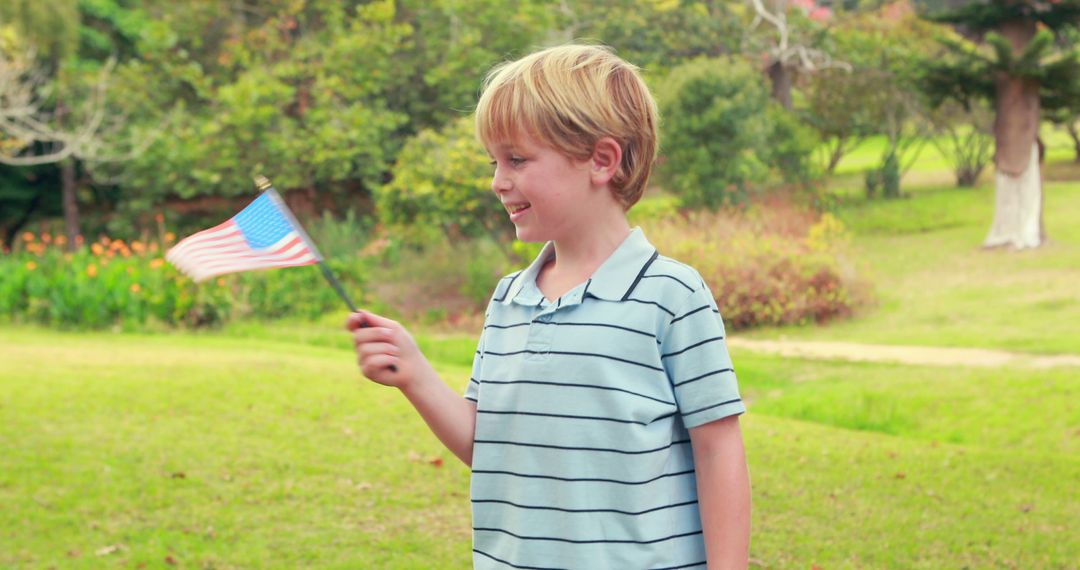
[{"x": 148, "y": 422}]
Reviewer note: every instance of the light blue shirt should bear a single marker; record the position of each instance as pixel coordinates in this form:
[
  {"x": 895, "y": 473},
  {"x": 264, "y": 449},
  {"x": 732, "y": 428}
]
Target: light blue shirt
[{"x": 582, "y": 457}]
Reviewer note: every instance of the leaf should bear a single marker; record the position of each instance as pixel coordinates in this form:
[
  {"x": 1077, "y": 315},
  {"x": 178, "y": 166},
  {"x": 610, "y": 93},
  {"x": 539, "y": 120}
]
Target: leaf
[{"x": 111, "y": 549}]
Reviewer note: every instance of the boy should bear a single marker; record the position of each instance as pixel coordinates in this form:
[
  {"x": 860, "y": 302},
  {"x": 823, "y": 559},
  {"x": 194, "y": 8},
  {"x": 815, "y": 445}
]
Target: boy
[{"x": 601, "y": 419}]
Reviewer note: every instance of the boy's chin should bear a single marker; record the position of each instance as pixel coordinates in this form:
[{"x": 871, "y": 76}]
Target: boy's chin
[{"x": 527, "y": 237}]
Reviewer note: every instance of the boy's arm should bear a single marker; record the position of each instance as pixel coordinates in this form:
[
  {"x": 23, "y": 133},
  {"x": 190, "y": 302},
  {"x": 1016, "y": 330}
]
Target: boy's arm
[
  {"x": 723, "y": 482},
  {"x": 388, "y": 355}
]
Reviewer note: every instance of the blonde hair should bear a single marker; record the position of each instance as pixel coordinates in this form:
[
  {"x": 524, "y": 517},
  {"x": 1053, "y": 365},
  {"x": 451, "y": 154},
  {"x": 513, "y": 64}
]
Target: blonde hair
[{"x": 569, "y": 97}]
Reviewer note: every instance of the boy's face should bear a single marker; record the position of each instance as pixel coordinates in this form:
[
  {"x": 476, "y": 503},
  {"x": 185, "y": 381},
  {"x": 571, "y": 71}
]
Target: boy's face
[{"x": 546, "y": 194}]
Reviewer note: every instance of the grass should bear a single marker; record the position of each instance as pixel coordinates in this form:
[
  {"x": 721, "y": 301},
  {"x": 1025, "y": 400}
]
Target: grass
[
  {"x": 935, "y": 286},
  {"x": 221, "y": 452}
]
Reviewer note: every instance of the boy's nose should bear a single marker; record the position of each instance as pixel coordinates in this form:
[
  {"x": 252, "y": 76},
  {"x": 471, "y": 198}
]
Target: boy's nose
[{"x": 499, "y": 184}]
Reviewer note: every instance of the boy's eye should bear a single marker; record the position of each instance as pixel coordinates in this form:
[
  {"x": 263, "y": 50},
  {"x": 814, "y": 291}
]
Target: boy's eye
[{"x": 517, "y": 160}]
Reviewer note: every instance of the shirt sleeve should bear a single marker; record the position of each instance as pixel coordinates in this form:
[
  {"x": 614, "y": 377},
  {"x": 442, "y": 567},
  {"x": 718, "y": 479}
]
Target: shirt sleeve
[{"x": 695, "y": 356}]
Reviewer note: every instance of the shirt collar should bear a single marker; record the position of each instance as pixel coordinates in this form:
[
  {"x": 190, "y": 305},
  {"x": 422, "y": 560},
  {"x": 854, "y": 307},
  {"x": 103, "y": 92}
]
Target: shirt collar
[{"x": 612, "y": 281}]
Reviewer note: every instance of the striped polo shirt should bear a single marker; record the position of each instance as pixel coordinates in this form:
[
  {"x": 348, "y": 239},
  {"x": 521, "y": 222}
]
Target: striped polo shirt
[{"x": 582, "y": 457}]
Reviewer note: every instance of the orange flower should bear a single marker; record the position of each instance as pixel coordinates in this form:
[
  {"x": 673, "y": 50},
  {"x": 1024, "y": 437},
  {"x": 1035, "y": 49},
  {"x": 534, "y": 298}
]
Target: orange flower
[
  {"x": 97, "y": 249},
  {"x": 30, "y": 265},
  {"x": 169, "y": 237},
  {"x": 221, "y": 282},
  {"x": 79, "y": 240},
  {"x": 91, "y": 270},
  {"x": 117, "y": 244},
  {"x": 61, "y": 240},
  {"x": 105, "y": 240},
  {"x": 137, "y": 246},
  {"x": 153, "y": 247},
  {"x": 156, "y": 263},
  {"x": 159, "y": 217},
  {"x": 46, "y": 237},
  {"x": 28, "y": 237},
  {"x": 135, "y": 288}
]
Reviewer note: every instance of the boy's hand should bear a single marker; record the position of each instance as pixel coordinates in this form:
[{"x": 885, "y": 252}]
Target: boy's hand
[{"x": 385, "y": 351}]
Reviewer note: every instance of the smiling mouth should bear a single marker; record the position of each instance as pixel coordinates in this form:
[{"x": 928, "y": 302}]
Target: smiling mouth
[{"x": 517, "y": 208}]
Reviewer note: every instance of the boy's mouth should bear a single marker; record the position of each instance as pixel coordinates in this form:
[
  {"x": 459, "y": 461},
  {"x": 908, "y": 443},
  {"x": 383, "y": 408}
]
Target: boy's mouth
[{"x": 517, "y": 208}]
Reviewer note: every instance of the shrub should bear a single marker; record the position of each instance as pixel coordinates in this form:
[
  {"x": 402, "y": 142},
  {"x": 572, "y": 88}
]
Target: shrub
[
  {"x": 723, "y": 138},
  {"x": 442, "y": 180},
  {"x": 129, "y": 285},
  {"x": 713, "y": 131},
  {"x": 778, "y": 267}
]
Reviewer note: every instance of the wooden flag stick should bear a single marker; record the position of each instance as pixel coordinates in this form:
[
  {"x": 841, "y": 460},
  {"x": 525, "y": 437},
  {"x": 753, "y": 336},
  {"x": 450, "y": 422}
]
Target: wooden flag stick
[{"x": 263, "y": 184}]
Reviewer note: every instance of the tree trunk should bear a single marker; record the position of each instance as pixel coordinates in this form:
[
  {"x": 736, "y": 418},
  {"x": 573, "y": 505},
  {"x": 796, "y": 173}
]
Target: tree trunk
[
  {"x": 1075, "y": 136},
  {"x": 780, "y": 77},
  {"x": 1018, "y": 207},
  {"x": 1018, "y": 204},
  {"x": 70, "y": 202}
]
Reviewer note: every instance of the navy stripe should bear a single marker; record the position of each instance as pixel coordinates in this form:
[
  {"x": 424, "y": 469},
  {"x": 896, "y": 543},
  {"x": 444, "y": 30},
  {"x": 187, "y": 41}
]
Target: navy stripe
[
  {"x": 561, "y": 510},
  {"x": 507, "y": 326},
  {"x": 605, "y": 325},
  {"x": 473, "y": 400},
  {"x": 567, "y": 416},
  {"x": 673, "y": 278},
  {"x": 569, "y": 448},
  {"x": 642, "y": 364},
  {"x": 699, "y": 410},
  {"x": 706, "y": 375},
  {"x": 662, "y": 308},
  {"x": 690, "y": 565},
  {"x": 513, "y": 278},
  {"x": 584, "y": 479},
  {"x": 683, "y": 316},
  {"x": 482, "y": 553},
  {"x": 695, "y": 345},
  {"x": 644, "y": 268},
  {"x": 595, "y": 541},
  {"x": 572, "y": 385}
]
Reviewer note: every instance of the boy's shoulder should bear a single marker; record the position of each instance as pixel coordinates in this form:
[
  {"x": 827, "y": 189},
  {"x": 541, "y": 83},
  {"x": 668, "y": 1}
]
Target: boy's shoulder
[{"x": 677, "y": 272}]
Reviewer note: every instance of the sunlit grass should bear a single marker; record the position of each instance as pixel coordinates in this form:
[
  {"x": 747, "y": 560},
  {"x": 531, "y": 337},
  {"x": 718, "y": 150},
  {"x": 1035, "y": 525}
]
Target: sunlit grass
[{"x": 224, "y": 452}]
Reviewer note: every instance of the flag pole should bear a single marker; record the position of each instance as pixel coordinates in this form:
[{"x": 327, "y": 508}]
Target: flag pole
[{"x": 263, "y": 184}]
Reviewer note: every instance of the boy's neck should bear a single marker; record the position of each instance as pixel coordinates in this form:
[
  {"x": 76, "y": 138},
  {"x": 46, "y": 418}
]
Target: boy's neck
[{"x": 578, "y": 256}]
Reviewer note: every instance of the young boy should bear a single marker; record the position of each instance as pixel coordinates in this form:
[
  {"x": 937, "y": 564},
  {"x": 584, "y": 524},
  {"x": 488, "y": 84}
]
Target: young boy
[{"x": 601, "y": 419}]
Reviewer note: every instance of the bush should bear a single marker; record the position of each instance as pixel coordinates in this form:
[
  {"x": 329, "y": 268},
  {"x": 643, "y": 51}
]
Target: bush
[
  {"x": 786, "y": 267},
  {"x": 130, "y": 286},
  {"x": 723, "y": 138},
  {"x": 713, "y": 131},
  {"x": 442, "y": 180}
]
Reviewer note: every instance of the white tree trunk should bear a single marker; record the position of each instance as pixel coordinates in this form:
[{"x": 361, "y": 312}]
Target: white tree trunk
[{"x": 1018, "y": 208}]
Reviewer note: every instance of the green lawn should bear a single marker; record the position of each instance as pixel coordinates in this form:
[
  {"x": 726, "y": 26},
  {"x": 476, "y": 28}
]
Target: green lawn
[
  {"x": 934, "y": 284},
  {"x": 223, "y": 452}
]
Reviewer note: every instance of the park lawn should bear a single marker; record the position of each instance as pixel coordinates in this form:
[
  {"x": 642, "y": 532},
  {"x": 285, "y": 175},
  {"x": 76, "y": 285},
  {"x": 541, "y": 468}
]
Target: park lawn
[
  {"x": 935, "y": 286},
  {"x": 226, "y": 452}
]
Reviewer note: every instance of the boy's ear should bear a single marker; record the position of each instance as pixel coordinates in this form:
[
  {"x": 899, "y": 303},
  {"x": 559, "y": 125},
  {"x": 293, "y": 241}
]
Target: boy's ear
[{"x": 605, "y": 159}]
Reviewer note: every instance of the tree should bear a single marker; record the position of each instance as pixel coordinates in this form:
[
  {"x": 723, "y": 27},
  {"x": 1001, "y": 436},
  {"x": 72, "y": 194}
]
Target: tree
[
  {"x": 53, "y": 106},
  {"x": 1018, "y": 67},
  {"x": 786, "y": 57}
]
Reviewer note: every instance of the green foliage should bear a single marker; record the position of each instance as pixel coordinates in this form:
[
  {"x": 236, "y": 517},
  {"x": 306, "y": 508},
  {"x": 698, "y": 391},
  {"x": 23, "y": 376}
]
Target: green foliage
[
  {"x": 116, "y": 284},
  {"x": 723, "y": 138},
  {"x": 714, "y": 136},
  {"x": 442, "y": 180}
]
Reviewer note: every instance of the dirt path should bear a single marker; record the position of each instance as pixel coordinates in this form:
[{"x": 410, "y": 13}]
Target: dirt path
[{"x": 915, "y": 355}]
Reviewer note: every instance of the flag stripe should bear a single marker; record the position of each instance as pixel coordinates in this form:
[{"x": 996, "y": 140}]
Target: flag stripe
[{"x": 243, "y": 243}]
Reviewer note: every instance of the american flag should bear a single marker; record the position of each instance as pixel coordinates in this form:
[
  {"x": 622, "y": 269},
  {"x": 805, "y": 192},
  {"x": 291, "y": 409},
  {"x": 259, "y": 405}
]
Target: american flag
[{"x": 263, "y": 235}]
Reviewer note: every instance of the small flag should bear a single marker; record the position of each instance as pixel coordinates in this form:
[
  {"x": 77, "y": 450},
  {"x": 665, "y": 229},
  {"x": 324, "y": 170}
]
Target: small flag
[{"x": 263, "y": 235}]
